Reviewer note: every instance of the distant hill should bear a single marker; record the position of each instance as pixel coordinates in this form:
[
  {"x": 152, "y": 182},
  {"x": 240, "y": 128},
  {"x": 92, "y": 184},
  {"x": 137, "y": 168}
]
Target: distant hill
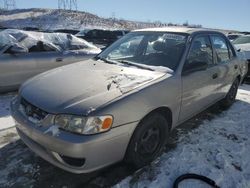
[
  {"x": 52, "y": 19},
  {"x": 60, "y": 19}
]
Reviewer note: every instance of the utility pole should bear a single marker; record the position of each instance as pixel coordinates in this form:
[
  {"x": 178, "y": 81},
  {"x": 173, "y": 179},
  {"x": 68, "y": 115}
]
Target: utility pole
[
  {"x": 67, "y": 4},
  {"x": 9, "y": 4}
]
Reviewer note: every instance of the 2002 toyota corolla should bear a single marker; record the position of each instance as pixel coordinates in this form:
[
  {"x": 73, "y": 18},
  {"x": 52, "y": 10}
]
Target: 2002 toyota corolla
[{"x": 123, "y": 104}]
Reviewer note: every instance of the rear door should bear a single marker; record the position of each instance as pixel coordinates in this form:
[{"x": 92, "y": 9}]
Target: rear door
[
  {"x": 225, "y": 59},
  {"x": 15, "y": 69},
  {"x": 198, "y": 87},
  {"x": 47, "y": 60}
]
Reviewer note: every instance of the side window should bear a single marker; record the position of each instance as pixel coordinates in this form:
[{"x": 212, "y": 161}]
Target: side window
[
  {"x": 221, "y": 49},
  {"x": 201, "y": 51},
  {"x": 41, "y": 47}
]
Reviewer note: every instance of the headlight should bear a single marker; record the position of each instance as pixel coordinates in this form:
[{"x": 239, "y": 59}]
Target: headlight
[{"x": 84, "y": 125}]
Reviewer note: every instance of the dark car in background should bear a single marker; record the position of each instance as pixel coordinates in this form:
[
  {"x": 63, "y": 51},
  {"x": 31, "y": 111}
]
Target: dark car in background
[
  {"x": 2, "y": 28},
  {"x": 100, "y": 36},
  {"x": 234, "y": 36},
  {"x": 31, "y": 29},
  {"x": 242, "y": 44},
  {"x": 68, "y": 31}
]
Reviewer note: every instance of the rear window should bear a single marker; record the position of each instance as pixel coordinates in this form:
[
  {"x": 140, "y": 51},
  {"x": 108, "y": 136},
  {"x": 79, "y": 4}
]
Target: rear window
[{"x": 221, "y": 48}]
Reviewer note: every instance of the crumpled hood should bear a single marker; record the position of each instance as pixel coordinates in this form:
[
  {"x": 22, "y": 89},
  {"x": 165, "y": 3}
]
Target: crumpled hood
[{"x": 83, "y": 87}]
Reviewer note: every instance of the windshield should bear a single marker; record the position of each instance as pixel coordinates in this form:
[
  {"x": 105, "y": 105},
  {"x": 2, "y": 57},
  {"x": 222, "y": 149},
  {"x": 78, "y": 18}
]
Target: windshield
[
  {"x": 6, "y": 40},
  {"x": 51, "y": 41},
  {"x": 242, "y": 40},
  {"x": 152, "y": 49},
  {"x": 67, "y": 41}
]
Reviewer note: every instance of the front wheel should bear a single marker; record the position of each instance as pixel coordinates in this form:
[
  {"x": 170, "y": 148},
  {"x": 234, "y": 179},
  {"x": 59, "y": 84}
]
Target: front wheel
[
  {"x": 148, "y": 140},
  {"x": 231, "y": 95}
]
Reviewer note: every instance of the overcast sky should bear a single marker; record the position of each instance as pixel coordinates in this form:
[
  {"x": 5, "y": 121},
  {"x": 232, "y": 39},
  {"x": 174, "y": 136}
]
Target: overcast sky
[{"x": 225, "y": 14}]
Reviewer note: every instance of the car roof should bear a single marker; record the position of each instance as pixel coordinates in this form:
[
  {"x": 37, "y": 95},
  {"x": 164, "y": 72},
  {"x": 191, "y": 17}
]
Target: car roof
[
  {"x": 238, "y": 34},
  {"x": 186, "y": 30}
]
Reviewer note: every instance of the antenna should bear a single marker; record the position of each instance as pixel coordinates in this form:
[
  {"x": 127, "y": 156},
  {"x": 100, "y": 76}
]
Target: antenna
[
  {"x": 9, "y": 4},
  {"x": 67, "y": 4}
]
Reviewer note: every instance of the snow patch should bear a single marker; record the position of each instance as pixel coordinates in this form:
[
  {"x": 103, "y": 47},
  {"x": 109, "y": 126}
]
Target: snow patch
[
  {"x": 91, "y": 109},
  {"x": 218, "y": 149},
  {"x": 14, "y": 168},
  {"x": 54, "y": 130},
  {"x": 6, "y": 121},
  {"x": 126, "y": 81}
]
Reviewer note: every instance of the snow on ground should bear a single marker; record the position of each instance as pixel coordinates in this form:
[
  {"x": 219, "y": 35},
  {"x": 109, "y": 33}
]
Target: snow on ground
[
  {"x": 15, "y": 163},
  {"x": 5, "y": 119},
  {"x": 218, "y": 149}
]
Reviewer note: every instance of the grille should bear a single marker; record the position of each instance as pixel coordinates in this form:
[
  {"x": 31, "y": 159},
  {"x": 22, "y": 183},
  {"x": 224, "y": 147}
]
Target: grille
[{"x": 32, "y": 111}]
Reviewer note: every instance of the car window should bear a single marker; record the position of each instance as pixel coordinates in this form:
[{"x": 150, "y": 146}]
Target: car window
[
  {"x": 221, "y": 49},
  {"x": 41, "y": 46},
  {"x": 6, "y": 40},
  {"x": 154, "y": 49},
  {"x": 201, "y": 51},
  {"x": 128, "y": 48},
  {"x": 67, "y": 41}
]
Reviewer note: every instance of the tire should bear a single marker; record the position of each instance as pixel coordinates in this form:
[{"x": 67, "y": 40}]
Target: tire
[
  {"x": 231, "y": 95},
  {"x": 148, "y": 140}
]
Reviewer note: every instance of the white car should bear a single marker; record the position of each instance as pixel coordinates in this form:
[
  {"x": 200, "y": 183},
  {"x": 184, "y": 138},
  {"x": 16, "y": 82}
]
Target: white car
[
  {"x": 242, "y": 44},
  {"x": 24, "y": 54}
]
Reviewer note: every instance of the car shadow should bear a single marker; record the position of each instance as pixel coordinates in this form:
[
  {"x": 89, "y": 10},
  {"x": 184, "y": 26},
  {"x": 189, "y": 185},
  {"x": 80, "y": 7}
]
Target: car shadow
[{"x": 20, "y": 167}]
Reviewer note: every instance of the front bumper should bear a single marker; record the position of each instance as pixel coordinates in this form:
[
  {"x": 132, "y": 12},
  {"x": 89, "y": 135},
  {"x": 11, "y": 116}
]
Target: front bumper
[{"x": 95, "y": 151}]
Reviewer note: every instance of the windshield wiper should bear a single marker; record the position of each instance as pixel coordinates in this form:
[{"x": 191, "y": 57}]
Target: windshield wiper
[
  {"x": 135, "y": 64},
  {"x": 105, "y": 60}
]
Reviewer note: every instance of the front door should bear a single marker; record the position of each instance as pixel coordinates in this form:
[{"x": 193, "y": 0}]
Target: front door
[{"x": 198, "y": 86}]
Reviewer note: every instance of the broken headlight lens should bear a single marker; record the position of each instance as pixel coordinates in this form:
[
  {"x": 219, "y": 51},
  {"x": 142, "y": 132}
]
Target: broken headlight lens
[{"x": 84, "y": 125}]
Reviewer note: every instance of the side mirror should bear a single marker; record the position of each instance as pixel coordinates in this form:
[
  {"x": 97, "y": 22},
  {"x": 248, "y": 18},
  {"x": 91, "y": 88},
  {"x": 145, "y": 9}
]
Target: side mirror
[
  {"x": 194, "y": 66},
  {"x": 16, "y": 49}
]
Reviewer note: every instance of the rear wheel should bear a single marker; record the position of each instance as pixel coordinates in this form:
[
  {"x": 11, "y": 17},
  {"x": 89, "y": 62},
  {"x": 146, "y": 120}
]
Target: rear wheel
[
  {"x": 148, "y": 140},
  {"x": 231, "y": 95}
]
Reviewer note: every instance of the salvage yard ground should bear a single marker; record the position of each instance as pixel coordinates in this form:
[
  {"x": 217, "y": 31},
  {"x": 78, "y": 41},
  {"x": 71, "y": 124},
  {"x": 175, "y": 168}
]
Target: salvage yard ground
[{"x": 215, "y": 143}]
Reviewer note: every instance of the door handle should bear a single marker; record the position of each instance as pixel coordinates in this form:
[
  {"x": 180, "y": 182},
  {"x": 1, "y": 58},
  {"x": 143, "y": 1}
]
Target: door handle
[
  {"x": 215, "y": 75},
  {"x": 59, "y": 59},
  {"x": 235, "y": 66}
]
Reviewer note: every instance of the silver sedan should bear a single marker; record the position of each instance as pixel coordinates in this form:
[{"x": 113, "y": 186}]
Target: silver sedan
[
  {"x": 123, "y": 104},
  {"x": 25, "y": 54}
]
